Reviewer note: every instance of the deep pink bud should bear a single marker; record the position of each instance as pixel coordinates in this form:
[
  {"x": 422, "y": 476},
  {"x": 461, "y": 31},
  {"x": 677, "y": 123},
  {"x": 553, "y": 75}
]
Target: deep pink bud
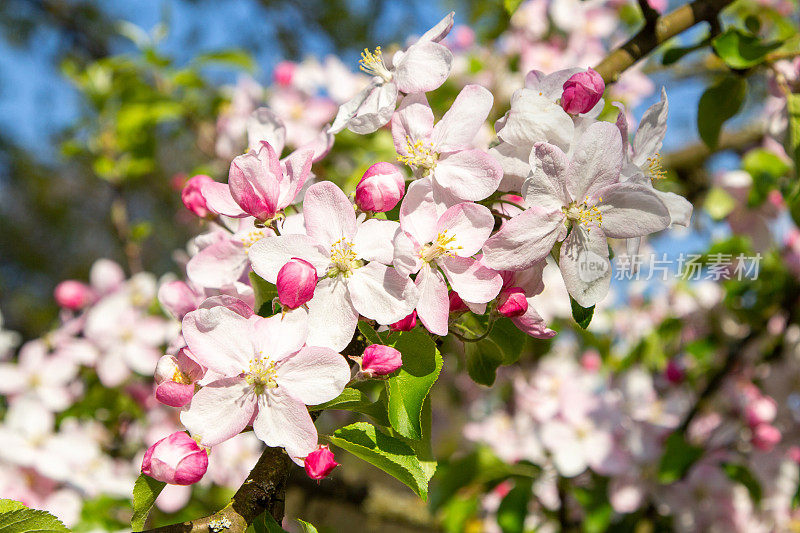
[
  {"x": 71, "y": 294},
  {"x": 380, "y": 360},
  {"x": 381, "y": 187},
  {"x": 762, "y": 410},
  {"x": 457, "y": 305},
  {"x": 177, "y": 460},
  {"x": 582, "y": 91},
  {"x": 512, "y": 302},
  {"x": 175, "y": 376},
  {"x": 406, "y": 324},
  {"x": 296, "y": 282},
  {"x": 320, "y": 463},
  {"x": 765, "y": 437},
  {"x": 674, "y": 372},
  {"x": 192, "y": 198},
  {"x": 284, "y": 72}
]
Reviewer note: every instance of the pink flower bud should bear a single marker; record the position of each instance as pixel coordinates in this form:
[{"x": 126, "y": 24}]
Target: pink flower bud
[
  {"x": 296, "y": 282},
  {"x": 457, "y": 305},
  {"x": 406, "y": 324},
  {"x": 591, "y": 361},
  {"x": 175, "y": 376},
  {"x": 380, "y": 360},
  {"x": 193, "y": 198},
  {"x": 674, "y": 372},
  {"x": 381, "y": 187},
  {"x": 765, "y": 437},
  {"x": 512, "y": 303},
  {"x": 793, "y": 453},
  {"x": 284, "y": 72},
  {"x": 320, "y": 463},
  {"x": 762, "y": 410},
  {"x": 177, "y": 460},
  {"x": 74, "y": 295},
  {"x": 582, "y": 91}
]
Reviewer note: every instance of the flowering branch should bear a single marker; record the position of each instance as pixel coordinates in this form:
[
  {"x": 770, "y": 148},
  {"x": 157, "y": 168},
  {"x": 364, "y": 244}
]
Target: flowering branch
[{"x": 651, "y": 36}]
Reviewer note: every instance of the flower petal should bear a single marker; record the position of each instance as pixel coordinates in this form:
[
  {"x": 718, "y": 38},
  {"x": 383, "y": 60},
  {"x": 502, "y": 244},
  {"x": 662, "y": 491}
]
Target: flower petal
[
  {"x": 219, "y": 338},
  {"x": 423, "y": 67},
  {"x": 268, "y": 255},
  {"x": 376, "y": 111},
  {"x": 547, "y": 186},
  {"x": 220, "y": 410},
  {"x": 584, "y": 265},
  {"x": 281, "y": 335},
  {"x": 534, "y": 118},
  {"x": 374, "y": 240},
  {"x": 284, "y": 422},
  {"x": 470, "y": 279},
  {"x": 313, "y": 375},
  {"x": 413, "y": 121},
  {"x": 382, "y": 293},
  {"x": 596, "y": 162},
  {"x": 418, "y": 213},
  {"x": 219, "y": 200},
  {"x": 264, "y": 125},
  {"x": 463, "y": 120},
  {"x": 651, "y": 131},
  {"x": 523, "y": 240},
  {"x": 469, "y": 225},
  {"x": 332, "y": 317},
  {"x": 433, "y": 307},
  {"x": 631, "y": 211},
  {"x": 328, "y": 213},
  {"x": 468, "y": 174}
]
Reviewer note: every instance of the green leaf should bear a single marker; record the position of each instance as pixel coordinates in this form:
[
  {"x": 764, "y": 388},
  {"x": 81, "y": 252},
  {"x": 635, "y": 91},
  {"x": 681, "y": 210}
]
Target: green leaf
[
  {"x": 766, "y": 168},
  {"x": 16, "y": 518},
  {"x": 675, "y": 54},
  {"x": 457, "y": 512},
  {"x": 742, "y": 474},
  {"x": 678, "y": 457},
  {"x": 718, "y": 103},
  {"x": 265, "y": 523},
  {"x": 514, "y": 507},
  {"x": 383, "y": 451},
  {"x": 357, "y": 401},
  {"x": 793, "y": 108},
  {"x": 145, "y": 492},
  {"x": 582, "y": 315},
  {"x": 307, "y": 528},
  {"x": 511, "y": 5},
  {"x": 502, "y": 346},
  {"x": 232, "y": 57},
  {"x": 408, "y": 389},
  {"x": 740, "y": 50},
  {"x": 265, "y": 293},
  {"x": 370, "y": 334}
]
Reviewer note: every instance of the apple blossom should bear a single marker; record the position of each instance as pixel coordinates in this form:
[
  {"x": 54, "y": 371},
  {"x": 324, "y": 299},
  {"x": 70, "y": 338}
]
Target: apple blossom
[
  {"x": 350, "y": 255},
  {"x": 423, "y": 67},
  {"x": 582, "y": 91},
  {"x": 192, "y": 196},
  {"x": 765, "y": 437},
  {"x": 511, "y": 302},
  {"x": 296, "y": 282},
  {"x": 265, "y": 377},
  {"x": 320, "y": 463},
  {"x": 433, "y": 243},
  {"x": 443, "y": 153},
  {"x": 73, "y": 295},
  {"x": 176, "y": 459},
  {"x": 380, "y": 360},
  {"x": 381, "y": 188},
  {"x": 585, "y": 196},
  {"x": 175, "y": 377}
]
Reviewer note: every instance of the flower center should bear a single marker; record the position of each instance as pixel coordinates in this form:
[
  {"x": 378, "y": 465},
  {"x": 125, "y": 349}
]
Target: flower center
[
  {"x": 343, "y": 258},
  {"x": 372, "y": 63},
  {"x": 441, "y": 246},
  {"x": 419, "y": 155},
  {"x": 655, "y": 168},
  {"x": 180, "y": 377},
  {"x": 261, "y": 374},
  {"x": 249, "y": 238},
  {"x": 583, "y": 213}
]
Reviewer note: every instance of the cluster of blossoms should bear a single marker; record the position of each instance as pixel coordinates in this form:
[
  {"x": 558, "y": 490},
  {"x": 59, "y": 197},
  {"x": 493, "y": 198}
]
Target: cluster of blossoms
[{"x": 473, "y": 231}]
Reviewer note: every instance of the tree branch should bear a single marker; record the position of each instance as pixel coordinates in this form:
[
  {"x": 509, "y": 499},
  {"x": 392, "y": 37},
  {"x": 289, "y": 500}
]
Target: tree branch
[{"x": 652, "y": 35}]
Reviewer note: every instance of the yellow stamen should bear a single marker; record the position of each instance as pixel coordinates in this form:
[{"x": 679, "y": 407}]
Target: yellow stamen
[
  {"x": 343, "y": 259},
  {"x": 583, "y": 213},
  {"x": 655, "y": 167},
  {"x": 261, "y": 374},
  {"x": 180, "y": 377},
  {"x": 372, "y": 63},
  {"x": 419, "y": 155},
  {"x": 438, "y": 248}
]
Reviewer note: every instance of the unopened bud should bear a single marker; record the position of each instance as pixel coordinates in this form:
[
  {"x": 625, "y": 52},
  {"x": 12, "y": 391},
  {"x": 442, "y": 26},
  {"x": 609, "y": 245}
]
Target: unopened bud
[
  {"x": 381, "y": 188},
  {"x": 674, "y": 372},
  {"x": 406, "y": 324},
  {"x": 765, "y": 437},
  {"x": 512, "y": 302},
  {"x": 582, "y": 91},
  {"x": 284, "y": 72},
  {"x": 380, "y": 360},
  {"x": 74, "y": 295},
  {"x": 193, "y": 198},
  {"x": 296, "y": 282},
  {"x": 320, "y": 463},
  {"x": 175, "y": 376},
  {"x": 177, "y": 460},
  {"x": 457, "y": 305}
]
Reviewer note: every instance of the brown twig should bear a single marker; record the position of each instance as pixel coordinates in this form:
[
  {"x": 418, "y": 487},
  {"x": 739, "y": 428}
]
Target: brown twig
[{"x": 654, "y": 34}]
